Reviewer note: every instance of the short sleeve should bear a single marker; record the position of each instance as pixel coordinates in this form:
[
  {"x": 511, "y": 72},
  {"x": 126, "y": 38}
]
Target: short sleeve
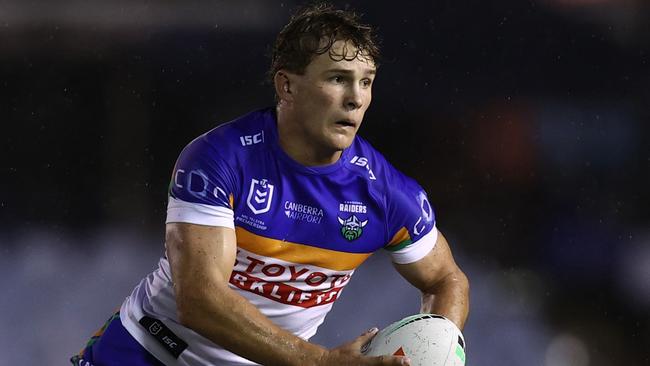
[
  {"x": 411, "y": 222},
  {"x": 202, "y": 187}
]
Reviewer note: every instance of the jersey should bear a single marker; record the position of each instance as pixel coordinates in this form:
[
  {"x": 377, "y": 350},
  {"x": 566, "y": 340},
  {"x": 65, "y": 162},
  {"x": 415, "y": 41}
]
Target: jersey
[{"x": 301, "y": 231}]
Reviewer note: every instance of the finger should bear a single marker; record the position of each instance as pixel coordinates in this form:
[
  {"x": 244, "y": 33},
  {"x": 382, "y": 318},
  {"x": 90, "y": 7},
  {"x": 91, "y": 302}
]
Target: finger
[
  {"x": 404, "y": 361},
  {"x": 365, "y": 337},
  {"x": 393, "y": 360}
]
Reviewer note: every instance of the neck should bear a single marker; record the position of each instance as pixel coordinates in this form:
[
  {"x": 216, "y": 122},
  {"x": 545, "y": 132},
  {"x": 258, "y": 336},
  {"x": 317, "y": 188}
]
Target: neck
[{"x": 295, "y": 142}]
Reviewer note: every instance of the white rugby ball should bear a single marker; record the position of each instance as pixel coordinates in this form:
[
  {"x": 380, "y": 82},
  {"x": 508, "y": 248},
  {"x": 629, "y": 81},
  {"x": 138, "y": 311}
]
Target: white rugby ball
[{"x": 427, "y": 339}]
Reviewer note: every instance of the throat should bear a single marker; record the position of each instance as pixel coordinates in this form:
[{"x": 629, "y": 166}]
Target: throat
[
  {"x": 305, "y": 150},
  {"x": 309, "y": 153}
]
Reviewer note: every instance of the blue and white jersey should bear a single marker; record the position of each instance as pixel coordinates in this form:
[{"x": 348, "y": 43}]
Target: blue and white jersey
[{"x": 301, "y": 231}]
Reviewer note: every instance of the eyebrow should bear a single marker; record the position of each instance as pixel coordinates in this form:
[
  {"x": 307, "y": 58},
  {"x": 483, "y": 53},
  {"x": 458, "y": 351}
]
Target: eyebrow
[{"x": 347, "y": 71}]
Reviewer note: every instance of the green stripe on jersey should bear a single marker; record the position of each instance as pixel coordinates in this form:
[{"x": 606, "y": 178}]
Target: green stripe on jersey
[{"x": 400, "y": 245}]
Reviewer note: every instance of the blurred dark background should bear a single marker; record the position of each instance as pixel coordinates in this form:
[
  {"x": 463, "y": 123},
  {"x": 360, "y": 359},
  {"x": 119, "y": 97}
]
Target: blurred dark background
[{"x": 526, "y": 121}]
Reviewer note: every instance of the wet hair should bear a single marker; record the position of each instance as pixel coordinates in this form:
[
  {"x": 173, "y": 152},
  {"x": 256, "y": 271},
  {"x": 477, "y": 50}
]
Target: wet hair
[{"x": 312, "y": 31}]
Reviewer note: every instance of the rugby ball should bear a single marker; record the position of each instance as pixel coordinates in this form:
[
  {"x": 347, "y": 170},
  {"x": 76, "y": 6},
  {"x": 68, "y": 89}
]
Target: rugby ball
[{"x": 427, "y": 339}]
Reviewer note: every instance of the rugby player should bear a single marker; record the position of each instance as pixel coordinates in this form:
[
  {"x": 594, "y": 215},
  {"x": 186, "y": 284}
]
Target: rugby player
[{"x": 269, "y": 215}]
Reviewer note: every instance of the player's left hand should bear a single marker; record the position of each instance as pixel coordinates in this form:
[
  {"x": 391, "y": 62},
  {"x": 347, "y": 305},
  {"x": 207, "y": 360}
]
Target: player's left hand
[{"x": 352, "y": 350}]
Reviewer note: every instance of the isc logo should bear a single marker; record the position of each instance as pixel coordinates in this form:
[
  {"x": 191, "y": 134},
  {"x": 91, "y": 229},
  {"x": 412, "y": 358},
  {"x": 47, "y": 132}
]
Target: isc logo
[
  {"x": 361, "y": 161},
  {"x": 252, "y": 139}
]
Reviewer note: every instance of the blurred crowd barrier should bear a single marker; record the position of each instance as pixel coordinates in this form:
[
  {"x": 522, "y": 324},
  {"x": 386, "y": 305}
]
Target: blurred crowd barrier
[{"x": 60, "y": 287}]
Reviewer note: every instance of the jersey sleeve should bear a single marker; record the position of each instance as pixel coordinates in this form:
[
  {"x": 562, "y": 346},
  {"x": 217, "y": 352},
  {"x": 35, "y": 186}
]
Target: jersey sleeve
[
  {"x": 202, "y": 187},
  {"x": 411, "y": 222}
]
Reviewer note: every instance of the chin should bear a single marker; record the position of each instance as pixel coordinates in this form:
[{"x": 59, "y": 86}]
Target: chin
[{"x": 341, "y": 144}]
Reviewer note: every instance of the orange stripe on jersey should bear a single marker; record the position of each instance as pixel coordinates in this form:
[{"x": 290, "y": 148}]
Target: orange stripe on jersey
[
  {"x": 298, "y": 253},
  {"x": 231, "y": 198},
  {"x": 399, "y": 237}
]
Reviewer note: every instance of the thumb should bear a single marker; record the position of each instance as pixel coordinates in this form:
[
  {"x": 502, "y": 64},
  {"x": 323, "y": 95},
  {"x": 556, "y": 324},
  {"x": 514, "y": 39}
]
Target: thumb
[{"x": 365, "y": 337}]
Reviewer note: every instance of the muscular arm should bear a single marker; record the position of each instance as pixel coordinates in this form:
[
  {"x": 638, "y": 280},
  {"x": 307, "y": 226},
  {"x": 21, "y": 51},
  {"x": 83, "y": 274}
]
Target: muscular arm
[
  {"x": 445, "y": 288},
  {"x": 202, "y": 259}
]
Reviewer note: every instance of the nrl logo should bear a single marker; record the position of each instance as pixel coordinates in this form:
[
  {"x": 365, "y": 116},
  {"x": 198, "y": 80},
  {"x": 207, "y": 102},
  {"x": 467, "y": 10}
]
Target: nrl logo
[
  {"x": 351, "y": 227},
  {"x": 260, "y": 196}
]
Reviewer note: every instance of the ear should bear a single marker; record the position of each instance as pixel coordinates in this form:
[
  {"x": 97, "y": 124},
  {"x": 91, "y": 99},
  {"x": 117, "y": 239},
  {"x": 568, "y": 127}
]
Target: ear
[{"x": 282, "y": 83}]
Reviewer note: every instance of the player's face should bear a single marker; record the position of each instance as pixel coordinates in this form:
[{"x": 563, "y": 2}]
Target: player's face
[{"x": 331, "y": 97}]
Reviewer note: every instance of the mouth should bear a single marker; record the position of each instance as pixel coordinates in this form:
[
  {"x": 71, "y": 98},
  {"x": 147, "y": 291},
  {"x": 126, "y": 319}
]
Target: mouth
[{"x": 346, "y": 123}]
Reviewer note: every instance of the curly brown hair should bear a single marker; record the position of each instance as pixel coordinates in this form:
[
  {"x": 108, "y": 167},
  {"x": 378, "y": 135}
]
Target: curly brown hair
[{"x": 312, "y": 31}]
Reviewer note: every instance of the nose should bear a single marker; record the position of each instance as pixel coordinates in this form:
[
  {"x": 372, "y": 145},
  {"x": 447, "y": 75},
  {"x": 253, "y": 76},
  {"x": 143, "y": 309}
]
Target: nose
[{"x": 353, "y": 98}]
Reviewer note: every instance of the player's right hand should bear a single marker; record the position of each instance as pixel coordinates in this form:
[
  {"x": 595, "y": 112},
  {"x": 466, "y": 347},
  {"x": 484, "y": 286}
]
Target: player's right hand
[{"x": 350, "y": 354}]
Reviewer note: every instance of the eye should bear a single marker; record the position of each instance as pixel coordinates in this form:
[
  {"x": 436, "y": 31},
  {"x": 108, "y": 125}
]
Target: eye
[
  {"x": 366, "y": 83},
  {"x": 337, "y": 79}
]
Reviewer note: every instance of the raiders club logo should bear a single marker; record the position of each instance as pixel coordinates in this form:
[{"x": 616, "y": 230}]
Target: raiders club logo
[{"x": 352, "y": 227}]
